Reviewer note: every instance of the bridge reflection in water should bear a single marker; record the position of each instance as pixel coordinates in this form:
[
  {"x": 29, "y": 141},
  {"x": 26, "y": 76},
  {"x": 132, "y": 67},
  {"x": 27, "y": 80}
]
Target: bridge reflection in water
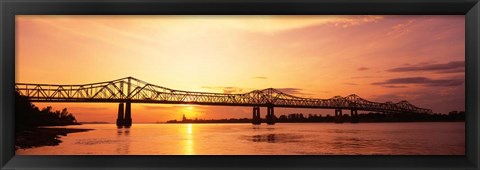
[{"x": 126, "y": 91}]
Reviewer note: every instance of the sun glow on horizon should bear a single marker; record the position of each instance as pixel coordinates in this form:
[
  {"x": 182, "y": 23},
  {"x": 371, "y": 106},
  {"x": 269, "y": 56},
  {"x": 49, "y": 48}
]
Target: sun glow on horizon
[{"x": 190, "y": 111}]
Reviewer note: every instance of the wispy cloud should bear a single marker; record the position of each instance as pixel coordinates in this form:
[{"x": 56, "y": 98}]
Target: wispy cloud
[
  {"x": 450, "y": 67},
  {"x": 354, "y": 21},
  {"x": 401, "y": 29},
  {"x": 362, "y": 77},
  {"x": 271, "y": 24},
  {"x": 420, "y": 81},
  {"x": 363, "y": 68},
  {"x": 293, "y": 91},
  {"x": 78, "y": 32},
  {"x": 260, "y": 77},
  {"x": 227, "y": 90}
]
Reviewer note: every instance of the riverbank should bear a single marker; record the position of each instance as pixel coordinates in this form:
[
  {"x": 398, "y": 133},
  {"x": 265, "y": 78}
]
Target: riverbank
[{"x": 42, "y": 137}]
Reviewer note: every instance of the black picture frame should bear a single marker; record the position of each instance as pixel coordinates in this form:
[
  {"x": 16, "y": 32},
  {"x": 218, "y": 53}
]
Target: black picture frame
[{"x": 10, "y": 8}]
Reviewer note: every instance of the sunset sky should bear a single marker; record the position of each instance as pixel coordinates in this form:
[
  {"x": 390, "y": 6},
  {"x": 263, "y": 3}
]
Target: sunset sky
[{"x": 380, "y": 58}]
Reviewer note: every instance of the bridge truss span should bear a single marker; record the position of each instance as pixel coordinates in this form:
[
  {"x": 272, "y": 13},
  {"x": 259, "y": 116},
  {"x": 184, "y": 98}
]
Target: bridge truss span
[{"x": 137, "y": 91}]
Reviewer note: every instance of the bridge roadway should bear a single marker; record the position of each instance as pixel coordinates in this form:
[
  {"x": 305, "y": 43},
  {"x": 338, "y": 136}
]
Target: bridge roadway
[{"x": 131, "y": 90}]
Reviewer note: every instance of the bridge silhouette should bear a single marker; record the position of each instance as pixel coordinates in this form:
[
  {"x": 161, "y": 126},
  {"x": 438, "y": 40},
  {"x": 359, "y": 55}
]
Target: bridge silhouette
[{"x": 126, "y": 91}]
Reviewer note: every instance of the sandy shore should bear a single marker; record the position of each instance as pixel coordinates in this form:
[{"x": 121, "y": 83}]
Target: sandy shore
[{"x": 42, "y": 137}]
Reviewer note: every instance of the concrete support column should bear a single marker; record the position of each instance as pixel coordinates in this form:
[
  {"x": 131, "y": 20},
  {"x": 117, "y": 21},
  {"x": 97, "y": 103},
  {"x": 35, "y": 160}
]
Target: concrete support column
[
  {"x": 120, "y": 118},
  {"x": 338, "y": 116},
  {"x": 256, "y": 116},
  {"x": 353, "y": 116},
  {"x": 270, "y": 115},
  {"x": 128, "y": 115}
]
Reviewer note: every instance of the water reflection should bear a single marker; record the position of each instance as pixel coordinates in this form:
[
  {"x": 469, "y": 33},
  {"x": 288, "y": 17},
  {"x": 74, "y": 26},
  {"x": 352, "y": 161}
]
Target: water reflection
[
  {"x": 123, "y": 135},
  {"x": 189, "y": 129},
  {"x": 275, "y": 138},
  {"x": 188, "y": 144},
  {"x": 245, "y": 139},
  {"x": 349, "y": 131},
  {"x": 270, "y": 128},
  {"x": 270, "y": 138},
  {"x": 127, "y": 132}
]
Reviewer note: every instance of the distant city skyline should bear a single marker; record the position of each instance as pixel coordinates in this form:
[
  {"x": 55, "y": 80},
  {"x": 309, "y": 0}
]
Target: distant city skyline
[{"x": 380, "y": 58}]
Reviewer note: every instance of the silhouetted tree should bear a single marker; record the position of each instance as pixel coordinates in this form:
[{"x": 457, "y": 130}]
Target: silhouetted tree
[{"x": 28, "y": 116}]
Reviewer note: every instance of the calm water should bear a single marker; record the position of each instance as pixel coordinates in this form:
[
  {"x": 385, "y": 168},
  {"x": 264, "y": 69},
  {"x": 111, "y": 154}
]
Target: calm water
[{"x": 279, "y": 139}]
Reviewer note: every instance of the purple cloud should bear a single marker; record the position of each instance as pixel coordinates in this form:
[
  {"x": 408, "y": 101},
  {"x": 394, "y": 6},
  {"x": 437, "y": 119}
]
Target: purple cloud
[
  {"x": 421, "y": 81},
  {"x": 450, "y": 67},
  {"x": 394, "y": 86}
]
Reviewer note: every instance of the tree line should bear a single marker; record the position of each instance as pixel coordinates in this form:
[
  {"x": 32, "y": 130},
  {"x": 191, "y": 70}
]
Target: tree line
[
  {"x": 28, "y": 116},
  {"x": 453, "y": 116}
]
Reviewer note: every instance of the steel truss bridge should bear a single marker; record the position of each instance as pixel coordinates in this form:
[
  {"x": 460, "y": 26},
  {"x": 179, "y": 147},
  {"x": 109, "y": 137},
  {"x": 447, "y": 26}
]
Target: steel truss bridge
[{"x": 131, "y": 90}]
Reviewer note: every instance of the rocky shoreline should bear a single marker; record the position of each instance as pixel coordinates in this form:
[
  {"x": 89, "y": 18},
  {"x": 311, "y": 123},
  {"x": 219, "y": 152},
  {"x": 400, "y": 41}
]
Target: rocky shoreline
[{"x": 42, "y": 137}]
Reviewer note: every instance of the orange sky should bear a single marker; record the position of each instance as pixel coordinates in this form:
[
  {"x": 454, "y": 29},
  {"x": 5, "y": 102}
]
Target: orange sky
[{"x": 380, "y": 58}]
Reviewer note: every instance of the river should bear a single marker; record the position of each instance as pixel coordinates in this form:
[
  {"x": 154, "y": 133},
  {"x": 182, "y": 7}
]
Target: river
[{"x": 429, "y": 138}]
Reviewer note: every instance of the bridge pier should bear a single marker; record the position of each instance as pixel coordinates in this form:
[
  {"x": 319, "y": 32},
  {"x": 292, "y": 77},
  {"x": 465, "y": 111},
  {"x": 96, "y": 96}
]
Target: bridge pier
[
  {"x": 128, "y": 115},
  {"x": 270, "y": 116},
  {"x": 256, "y": 120},
  {"x": 338, "y": 116},
  {"x": 353, "y": 116},
  {"x": 120, "y": 118}
]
